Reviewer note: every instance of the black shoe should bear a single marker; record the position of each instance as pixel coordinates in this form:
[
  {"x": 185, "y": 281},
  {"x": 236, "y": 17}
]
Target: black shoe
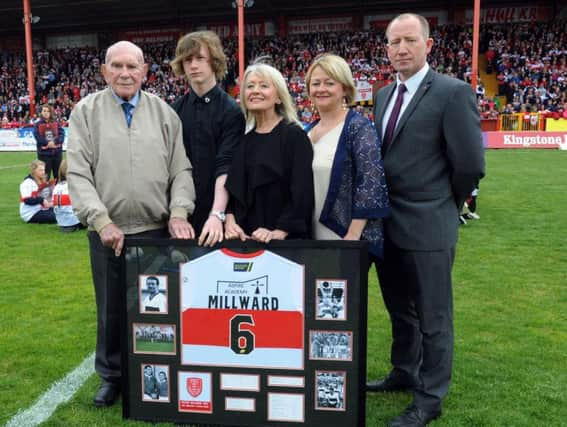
[
  {"x": 394, "y": 381},
  {"x": 414, "y": 417},
  {"x": 107, "y": 394}
]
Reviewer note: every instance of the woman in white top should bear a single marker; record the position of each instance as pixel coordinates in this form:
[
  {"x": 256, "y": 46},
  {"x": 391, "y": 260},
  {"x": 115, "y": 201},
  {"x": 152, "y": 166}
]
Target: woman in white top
[{"x": 350, "y": 188}]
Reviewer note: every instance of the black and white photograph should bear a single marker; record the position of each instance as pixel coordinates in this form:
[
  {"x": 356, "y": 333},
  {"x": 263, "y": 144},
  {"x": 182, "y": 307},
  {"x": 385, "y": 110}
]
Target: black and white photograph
[
  {"x": 330, "y": 389},
  {"x": 153, "y": 294},
  {"x": 331, "y": 299},
  {"x": 330, "y": 345},
  {"x": 155, "y": 383},
  {"x": 154, "y": 339}
]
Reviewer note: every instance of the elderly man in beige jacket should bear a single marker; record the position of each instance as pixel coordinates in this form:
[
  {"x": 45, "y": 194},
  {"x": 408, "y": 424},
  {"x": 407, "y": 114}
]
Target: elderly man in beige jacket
[{"x": 128, "y": 176}]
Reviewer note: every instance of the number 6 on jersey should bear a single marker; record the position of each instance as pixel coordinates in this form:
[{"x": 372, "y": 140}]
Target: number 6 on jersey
[{"x": 241, "y": 340}]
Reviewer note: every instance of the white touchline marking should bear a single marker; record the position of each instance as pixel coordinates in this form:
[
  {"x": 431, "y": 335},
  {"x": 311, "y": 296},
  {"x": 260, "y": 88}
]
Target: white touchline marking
[
  {"x": 14, "y": 166},
  {"x": 59, "y": 392}
]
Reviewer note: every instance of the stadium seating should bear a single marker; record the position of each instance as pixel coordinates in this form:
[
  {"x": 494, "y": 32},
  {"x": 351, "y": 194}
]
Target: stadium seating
[{"x": 529, "y": 61}]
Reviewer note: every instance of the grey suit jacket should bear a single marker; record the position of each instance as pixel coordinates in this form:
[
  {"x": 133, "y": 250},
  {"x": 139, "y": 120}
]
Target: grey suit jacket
[{"x": 433, "y": 162}]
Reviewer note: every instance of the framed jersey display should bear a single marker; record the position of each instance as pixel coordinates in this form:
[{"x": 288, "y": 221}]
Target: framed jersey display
[{"x": 251, "y": 334}]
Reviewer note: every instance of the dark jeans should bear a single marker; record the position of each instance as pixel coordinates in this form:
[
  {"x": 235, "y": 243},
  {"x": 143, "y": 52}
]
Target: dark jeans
[{"x": 44, "y": 216}]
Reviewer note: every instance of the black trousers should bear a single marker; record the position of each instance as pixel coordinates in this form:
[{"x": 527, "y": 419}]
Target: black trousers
[
  {"x": 417, "y": 291},
  {"x": 44, "y": 216},
  {"x": 106, "y": 278},
  {"x": 52, "y": 164}
]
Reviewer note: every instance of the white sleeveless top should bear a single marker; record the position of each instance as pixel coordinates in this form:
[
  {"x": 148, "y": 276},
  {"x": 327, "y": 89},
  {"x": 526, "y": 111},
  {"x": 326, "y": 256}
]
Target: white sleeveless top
[{"x": 323, "y": 155}]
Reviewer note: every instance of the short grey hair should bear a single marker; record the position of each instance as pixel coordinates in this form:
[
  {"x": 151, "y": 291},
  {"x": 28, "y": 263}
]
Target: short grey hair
[{"x": 124, "y": 44}]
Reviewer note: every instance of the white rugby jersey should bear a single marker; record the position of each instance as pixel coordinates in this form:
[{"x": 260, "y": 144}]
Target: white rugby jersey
[{"x": 243, "y": 310}]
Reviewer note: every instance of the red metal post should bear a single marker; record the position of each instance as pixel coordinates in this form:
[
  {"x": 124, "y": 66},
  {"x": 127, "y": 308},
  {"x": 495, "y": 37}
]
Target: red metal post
[
  {"x": 29, "y": 57},
  {"x": 241, "y": 30},
  {"x": 476, "y": 37}
]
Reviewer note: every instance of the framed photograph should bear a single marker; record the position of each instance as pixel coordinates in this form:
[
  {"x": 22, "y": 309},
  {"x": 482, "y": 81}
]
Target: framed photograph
[
  {"x": 331, "y": 299},
  {"x": 330, "y": 345},
  {"x": 153, "y": 294},
  {"x": 330, "y": 389},
  {"x": 154, "y": 339},
  {"x": 155, "y": 383}
]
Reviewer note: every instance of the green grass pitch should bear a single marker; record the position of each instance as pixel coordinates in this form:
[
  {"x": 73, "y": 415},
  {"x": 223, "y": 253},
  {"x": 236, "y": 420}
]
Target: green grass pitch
[{"x": 510, "y": 300}]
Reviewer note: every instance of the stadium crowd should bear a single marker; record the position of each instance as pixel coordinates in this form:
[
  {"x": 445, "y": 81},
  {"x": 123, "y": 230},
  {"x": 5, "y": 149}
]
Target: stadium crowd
[{"x": 529, "y": 59}]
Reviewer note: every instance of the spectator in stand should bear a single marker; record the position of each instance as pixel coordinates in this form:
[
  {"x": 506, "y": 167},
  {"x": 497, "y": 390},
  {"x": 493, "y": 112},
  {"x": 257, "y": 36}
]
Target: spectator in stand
[
  {"x": 62, "y": 207},
  {"x": 49, "y": 137},
  {"x": 270, "y": 181},
  {"x": 480, "y": 90},
  {"x": 212, "y": 128},
  {"x": 350, "y": 196},
  {"x": 35, "y": 196}
]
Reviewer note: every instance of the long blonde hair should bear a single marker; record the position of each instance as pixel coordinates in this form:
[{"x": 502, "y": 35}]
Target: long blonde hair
[{"x": 285, "y": 109}]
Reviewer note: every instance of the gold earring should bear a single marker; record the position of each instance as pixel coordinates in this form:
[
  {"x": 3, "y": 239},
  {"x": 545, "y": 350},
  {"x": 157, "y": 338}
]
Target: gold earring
[
  {"x": 314, "y": 111},
  {"x": 344, "y": 104}
]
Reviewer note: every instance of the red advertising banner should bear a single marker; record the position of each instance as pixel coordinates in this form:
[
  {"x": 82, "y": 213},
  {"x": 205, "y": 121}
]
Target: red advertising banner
[
  {"x": 258, "y": 29},
  {"x": 321, "y": 25},
  {"x": 525, "y": 139},
  {"x": 501, "y": 15},
  {"x": 152, "y": 36}
]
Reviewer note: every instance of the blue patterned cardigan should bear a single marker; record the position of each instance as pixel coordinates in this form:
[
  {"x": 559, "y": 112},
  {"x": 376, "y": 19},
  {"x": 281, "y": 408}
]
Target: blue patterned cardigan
[{"x": 357, "y": 188}]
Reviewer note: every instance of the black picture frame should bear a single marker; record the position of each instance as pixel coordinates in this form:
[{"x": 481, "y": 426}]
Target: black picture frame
[{"x": 249, "y": 396}]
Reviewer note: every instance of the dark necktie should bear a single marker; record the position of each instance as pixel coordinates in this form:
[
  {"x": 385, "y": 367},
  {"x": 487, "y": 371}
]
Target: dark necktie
[
  {"x": 127, "y": 107},
  {"x": 391, "y": 126}
]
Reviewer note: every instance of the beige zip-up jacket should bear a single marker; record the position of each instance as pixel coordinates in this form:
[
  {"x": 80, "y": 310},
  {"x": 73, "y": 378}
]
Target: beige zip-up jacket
[{"x": 137, "y": 177}]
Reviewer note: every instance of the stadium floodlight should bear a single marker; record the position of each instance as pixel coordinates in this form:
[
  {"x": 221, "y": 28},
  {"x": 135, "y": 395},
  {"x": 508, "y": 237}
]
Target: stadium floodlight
[
  {"x": 247, "y": 3},
  {"x": 33, "y": 19}
]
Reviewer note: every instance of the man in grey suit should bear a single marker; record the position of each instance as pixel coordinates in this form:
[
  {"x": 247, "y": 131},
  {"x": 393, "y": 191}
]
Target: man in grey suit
[{"x": 433, "y": 155}]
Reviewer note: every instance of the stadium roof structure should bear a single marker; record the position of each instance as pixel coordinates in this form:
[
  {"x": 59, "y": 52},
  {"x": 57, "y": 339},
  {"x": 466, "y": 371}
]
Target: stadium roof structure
[{"x": 64, "y": 16}]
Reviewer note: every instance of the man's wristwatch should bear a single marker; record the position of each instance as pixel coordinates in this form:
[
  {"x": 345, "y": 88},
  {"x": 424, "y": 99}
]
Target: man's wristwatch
[{"x": 219, "y": 214}]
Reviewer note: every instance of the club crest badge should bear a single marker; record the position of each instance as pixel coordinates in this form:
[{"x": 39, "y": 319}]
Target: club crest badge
[{"x": 194, "y": 386}]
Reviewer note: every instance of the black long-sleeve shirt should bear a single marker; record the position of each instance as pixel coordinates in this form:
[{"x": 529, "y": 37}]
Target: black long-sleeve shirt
[{"x": 213, "y": 125}]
